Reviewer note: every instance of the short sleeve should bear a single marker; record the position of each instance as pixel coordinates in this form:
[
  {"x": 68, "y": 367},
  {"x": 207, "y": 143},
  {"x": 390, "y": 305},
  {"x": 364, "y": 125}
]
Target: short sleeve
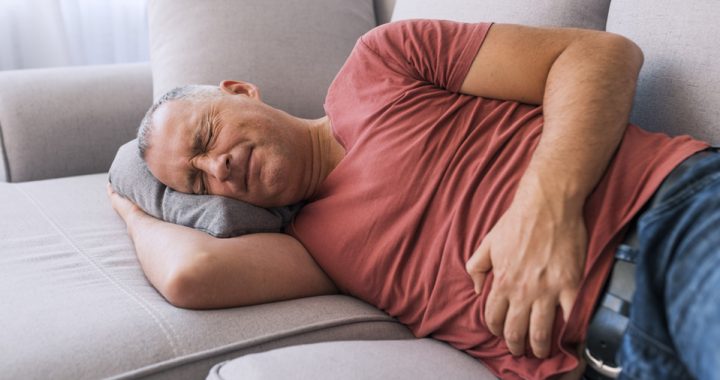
[
  {"x": 390, "y": 63},
  {"x": 439, "y": 52}
]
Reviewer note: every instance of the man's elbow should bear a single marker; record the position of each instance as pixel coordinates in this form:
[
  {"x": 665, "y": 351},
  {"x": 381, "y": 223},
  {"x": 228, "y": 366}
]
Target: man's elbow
[
  {"x": 184, "y": 285},
  {"x": 622, "y": 50}
]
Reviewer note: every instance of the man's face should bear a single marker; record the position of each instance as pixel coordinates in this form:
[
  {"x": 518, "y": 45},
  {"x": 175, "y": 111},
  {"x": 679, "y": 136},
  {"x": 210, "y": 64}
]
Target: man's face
[{"x": 235, "y": 146}]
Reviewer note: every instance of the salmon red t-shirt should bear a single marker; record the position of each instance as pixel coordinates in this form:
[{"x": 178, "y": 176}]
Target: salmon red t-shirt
[{"x": 427, "y": 173}]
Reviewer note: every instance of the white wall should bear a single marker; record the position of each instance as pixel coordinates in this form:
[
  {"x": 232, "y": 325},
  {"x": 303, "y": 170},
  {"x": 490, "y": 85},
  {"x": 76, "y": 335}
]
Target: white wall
[{"x": 45, "y": 33}]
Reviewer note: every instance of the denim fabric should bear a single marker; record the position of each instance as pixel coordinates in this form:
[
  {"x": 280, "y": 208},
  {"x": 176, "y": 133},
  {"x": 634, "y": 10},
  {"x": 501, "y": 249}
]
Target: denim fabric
[{"x": 674, "y": 328}]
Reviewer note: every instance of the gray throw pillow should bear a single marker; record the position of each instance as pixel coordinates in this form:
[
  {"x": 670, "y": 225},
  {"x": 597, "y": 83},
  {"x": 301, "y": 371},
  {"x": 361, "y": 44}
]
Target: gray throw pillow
[{"x": 218, "y": 216}]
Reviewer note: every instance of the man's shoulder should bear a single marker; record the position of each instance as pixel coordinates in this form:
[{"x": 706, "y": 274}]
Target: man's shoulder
[{"x": 398, "y": 32}]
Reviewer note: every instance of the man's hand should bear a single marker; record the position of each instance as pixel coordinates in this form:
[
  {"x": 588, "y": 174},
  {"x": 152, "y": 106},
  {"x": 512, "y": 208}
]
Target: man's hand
[
  {"x": 585, "y": 81},
  {"x": 536, "y": 251},
  {"x": 124, "y": 207}
]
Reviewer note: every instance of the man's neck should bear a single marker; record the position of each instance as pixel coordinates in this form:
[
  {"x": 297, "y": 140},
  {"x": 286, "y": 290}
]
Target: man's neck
[{"x": 327, "y": 153}]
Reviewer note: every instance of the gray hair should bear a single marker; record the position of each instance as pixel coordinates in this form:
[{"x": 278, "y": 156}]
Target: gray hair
[{"x": 192, "y": 93}]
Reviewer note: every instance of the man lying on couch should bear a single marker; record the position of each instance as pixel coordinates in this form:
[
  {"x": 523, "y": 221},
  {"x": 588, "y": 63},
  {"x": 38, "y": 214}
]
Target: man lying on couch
[{"x": 468, "y": 179}]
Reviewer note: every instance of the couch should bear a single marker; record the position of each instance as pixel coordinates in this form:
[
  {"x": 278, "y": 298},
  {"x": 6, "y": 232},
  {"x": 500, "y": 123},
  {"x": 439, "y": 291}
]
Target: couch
[{"x": 74, "y": 303}]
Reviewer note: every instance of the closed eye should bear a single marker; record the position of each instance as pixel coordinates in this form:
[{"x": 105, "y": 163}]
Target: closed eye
[
  {"x": 209, "y": 136},
  {"x": 208, "y": 125},
  {"x": 212, "y": 119}
]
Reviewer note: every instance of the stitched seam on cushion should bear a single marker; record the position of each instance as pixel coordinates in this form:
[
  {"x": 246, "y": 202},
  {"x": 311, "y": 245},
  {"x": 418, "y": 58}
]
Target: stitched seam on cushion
[
  {"x": 5, "y": 160},
  {"x": 237, "y": 346},
  {"x": 168, "y": 331}
]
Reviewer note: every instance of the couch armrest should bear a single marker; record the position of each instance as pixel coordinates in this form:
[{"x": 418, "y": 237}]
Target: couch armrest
[{"x": 68, "y": 121}]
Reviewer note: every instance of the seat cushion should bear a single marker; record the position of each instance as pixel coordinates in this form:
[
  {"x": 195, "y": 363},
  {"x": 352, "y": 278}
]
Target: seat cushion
[
  {"x": 75, "y": 302},
  {"x": 292, "y": 52},
  {"x": 415, "y": 359},
  {"x": 679, "y": 87}
]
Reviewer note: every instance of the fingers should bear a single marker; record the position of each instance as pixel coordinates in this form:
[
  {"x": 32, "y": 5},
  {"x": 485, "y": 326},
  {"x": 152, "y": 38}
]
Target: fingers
[
  {"x": 115, "y": 199},
  {"x": 567, "y": 300},
  {"x": 496, "y": 308},
  {"x": 123, "y": 206},
  {"x": 112, "y": 195},
  {"x": 479, "y": 265},
  {"x": 516, "y": 327},
  {"x": 542, "y": 318}
]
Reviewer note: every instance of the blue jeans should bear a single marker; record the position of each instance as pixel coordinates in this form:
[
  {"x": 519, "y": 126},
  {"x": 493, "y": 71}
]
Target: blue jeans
[{"x": 674, "y": 328}]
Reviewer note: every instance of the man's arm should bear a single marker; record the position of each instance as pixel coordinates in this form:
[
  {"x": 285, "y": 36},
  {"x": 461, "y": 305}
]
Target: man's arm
[
  {"x": 192, "y": 269},
  {"x": 585, "y": 81}
]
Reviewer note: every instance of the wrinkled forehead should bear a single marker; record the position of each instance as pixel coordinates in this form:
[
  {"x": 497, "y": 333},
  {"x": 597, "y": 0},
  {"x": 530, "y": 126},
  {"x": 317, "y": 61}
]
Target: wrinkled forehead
[
  {"x": 177, "y": 115},
  {"x": 175, "y": 127}
]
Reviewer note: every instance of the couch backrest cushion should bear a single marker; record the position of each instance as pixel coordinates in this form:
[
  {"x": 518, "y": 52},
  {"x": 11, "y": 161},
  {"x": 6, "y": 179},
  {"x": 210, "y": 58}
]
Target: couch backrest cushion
[
  {"x": 292, "y": 52},
  {"x": 679, "y": 87},
  {"x": 384, "y": 10},
  {"x": 589, "y": 14}
]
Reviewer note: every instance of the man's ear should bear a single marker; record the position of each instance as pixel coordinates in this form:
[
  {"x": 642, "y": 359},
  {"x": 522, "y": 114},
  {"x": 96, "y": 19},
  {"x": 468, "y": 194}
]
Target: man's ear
[{"x": 236, "y": 87}]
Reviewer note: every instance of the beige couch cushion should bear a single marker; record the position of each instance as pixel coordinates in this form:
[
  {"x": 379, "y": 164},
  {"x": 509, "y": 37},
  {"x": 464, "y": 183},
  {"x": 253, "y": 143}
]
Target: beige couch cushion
[
  {"x": 76, "y": 305},
  {"x": 415, "y": 359},
  {"x": 679, "y": 87},
  {"x": 589, "y": 14},
  {"x": 292, "y": 49},
  {"x": 70, "y": 120}
]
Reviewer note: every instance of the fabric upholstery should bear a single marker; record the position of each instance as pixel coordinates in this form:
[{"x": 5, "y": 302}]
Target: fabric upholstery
[
  {"x": 75, "y": 302},
  {"x": 679, "y": 87},
  {"x": 4, "y": 170},
  {"x": 383, "y": 10},
  {"x": 414, "y": 359},
  {"x": 589, "y": 14},
  {"x": 291, "y": 52},
  {"x": 68, "y": 121},
  {"x": 218, "y": 216}
]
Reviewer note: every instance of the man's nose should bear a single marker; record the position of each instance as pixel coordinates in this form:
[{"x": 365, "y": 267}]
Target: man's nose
[{"x": 216, "y": 166}]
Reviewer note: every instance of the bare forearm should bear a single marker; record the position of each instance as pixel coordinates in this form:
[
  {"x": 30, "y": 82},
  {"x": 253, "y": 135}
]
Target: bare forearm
[
  {"x": 162, "y": 248},
  {"x": 587, "y": 101},
  {"x": 586, "y": 82},
  {"x": 195, "y": 270}
]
